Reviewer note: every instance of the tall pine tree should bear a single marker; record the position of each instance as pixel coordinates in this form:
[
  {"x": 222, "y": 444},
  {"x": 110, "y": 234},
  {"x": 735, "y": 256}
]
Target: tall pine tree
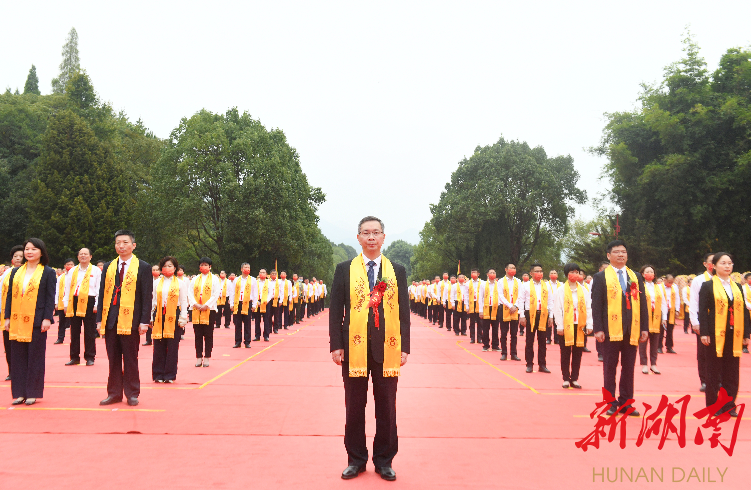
[
  {"x": 70, "y": 64},
  {"x": 32, "y": 82}
]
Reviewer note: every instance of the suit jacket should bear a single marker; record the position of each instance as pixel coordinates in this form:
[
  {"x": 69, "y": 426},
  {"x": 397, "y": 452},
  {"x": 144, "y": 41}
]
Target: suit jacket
[
  {"x": 46, "y": 301},
  {"x": 339, "y": 313},
  {"x": 142, "y": 306},
  {"x": 707, "y": 311},
  {"x": 600, "y": 307}
]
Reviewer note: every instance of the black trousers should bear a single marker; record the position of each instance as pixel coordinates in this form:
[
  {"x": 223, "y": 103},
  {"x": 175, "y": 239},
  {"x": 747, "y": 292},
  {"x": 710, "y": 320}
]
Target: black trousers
[
  {"x": 27, "y": 365},
  {"x": 531, "y": 330},
  {"x": 667, "y": 333},
  {"x": 62, "y": 324},
  {"x": 701, "y": 360},
  {"x": 449, "y": 313},
  {"x": 460, "y": 322},
  {"x": 610, "y": 354},
  {"x": 724, "y": 369},
  {"x": 487, "y": 326},
  {"x": 507, "y": 327},
  {"x": 475, "y": 322},
  {"x": 266, "y": 317},
  {"x": 225, "y": 312},
  {"x": 293, "y": 314},
  {"x": 122, "y": 351},
  {"x": 164, "y": 364},
  {"x": 242, "y": 326},
  {"x": 205, "y": 336},
  {"x": 6, "y": 346},
  {"x": 431, "y": 310},
  {"x": 438, "y": 314},
  {"x": 281, "y": 314},
  {"x": 89, "y": 332},
  {"x": 308, "y": 310},
  {"x": 571, "y": 355},
  {"x": 385, "y": 443}
]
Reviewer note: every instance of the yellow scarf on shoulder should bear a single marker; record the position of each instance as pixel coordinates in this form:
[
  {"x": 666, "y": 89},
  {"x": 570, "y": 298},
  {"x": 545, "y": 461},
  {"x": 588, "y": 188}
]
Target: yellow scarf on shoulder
[
  {"x": 60, "y": 291},
  {"x": 568, "y": 315},
  {"x": 471, "y": 297},
  {"x": 507, "y": 316},
  {"x": 721, "y": 316},
  {"x": 486, "y": 313},
  {"x": 202, "y": 317},
  {"x": 543, "y": 306},
  {"x": 24, "y": 304},
  {"x": 3, "y": 297},
  {"x": 162, "y": 329},
  {"x": 223, "y": 296},
  {"x": 672, "y": 302},
  {"x": 246, "y": 297},
  {"x": 615, "y": 302},
  {"x": 655, "y": 312},
  {"x": 127, "y": 296},
  {"x": 359, "y": 297},
  {"x": 459, "y": 298},
  {"x": 83, "y": 293}
]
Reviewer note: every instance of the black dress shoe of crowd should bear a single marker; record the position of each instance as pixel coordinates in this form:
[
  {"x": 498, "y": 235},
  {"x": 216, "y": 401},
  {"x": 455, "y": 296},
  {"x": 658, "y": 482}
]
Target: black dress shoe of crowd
[
  {"x": 733, "y": 413},
  {"x": 58, "y": 341},
  {"x": 515, "y": 358},
  {"x": 543, "y": 369},
  {"x": 247, "y": 345},
  {"x": 659, "y": 350},
  {"x": 110, "y": 400},
  {"x": 265, "y": 339},
  {"x": 611, "y": 411},
  {"x": 73, "y": 362},
  {"x": 745, "y": 350},
  {"x": 257, "y": 339},
  {"x": 703, "y": 387},
  {"x": 236, "y": 346},
  {"x": 529, "y": 369},
  {"x": 146, "y": 343},
  {"x": 352, "y": 472},
  {"x": 133, "y": 401},
  {"x": 671, "y": 351},
  {"x": 89, "y": 362},
  {"x": 599, "y": 358},
  {"x": 7, "y": 378},
  {"x": 586, "y": 350},
  {"x": 386, "y": 472},
  {"x": 503, "y": 357}
]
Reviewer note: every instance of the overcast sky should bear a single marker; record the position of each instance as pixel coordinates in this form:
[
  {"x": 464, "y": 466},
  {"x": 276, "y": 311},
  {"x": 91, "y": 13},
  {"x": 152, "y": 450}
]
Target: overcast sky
[{"x": 380, "y": 99}]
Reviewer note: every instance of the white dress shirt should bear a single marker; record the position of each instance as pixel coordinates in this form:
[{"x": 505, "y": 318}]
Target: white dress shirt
[
  {"x": 693, "y": 306},
  {"x": 215, "y": 291},
  {"x": 94, "y": 280},
  {"x": 512, "y": 301},
  {"x": 526, "y": 294}
]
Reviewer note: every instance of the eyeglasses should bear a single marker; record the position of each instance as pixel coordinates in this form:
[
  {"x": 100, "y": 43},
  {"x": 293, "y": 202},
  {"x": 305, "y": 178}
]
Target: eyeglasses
[{"x": 368, "y": 234}]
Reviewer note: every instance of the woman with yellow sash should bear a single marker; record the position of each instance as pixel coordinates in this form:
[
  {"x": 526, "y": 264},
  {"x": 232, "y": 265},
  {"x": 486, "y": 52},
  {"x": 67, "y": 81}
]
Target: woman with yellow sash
[
  {"x": 170, "y": 313},
  {"x": 655, "y": 307},
  {"x": 724, "y": 328},
  {"x": 16, "y": 259},
  {"x": 29, "y": 308},
  {"x": 572, "y": 309}
]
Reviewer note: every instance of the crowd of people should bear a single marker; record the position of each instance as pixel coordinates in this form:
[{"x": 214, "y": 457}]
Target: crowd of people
[{"x": 126, "y": 298}]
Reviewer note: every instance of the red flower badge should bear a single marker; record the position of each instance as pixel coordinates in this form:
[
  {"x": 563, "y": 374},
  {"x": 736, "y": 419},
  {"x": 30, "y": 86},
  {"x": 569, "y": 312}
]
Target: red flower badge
[{"x": 376, "y": 296}]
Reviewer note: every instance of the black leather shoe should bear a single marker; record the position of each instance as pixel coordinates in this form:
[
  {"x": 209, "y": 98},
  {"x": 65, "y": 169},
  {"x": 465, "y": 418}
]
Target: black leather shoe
[
  {"x": 247, "y": 346},
  {"x": 236, "y": 346},
  {"x": 265, "y": 339},
  {"x": 635, "y": 413},
  {"x": 599, "y": 358},
  {"x": 543, "y": 369},
  {"x": 703, "y": 387},
  {"x": 58, "y": 341},
  {"x": 529, "y": 369},
  {"x": 503, "y": 357},
  {"x": 671, "y": 351},
  {"x": 7, "y": 378},
  {"x": 547, "y": 342},
  {"x": 133, "y": 401},
  {"x": 73, "y": 362},
  {"x": 733, "y": 413},
  {"x": 257, "y": 339},
  {"x": 575, "y": 384},
  {"x": 352, "y": 472},
  {"x": 146, "y": 343},
  {"x": 110, "y": 400},
  {"x": 586, "y": 350},
  {"x": 89, "y": 363},
  {"x": 386, "y": 472},
  {"x": 745, "y": 350},
  {"x": 471, "y": 341},
  {"x": 611, "y": 411},
  {"x": 659, "y": 350},
  {"x": 515, "y": 358},
  {"x": 276, "y": 331}
]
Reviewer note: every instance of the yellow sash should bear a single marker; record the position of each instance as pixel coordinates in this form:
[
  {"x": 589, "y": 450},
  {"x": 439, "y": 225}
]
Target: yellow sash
[
  {"x": 507, "y": 316},
  {"x": 276, "y": 293},
  {"x": 543, "y": 306},
  {"x": 449, "y": 303},
  {"x": 471, "y": 296},
  {"x": 263, "y": 295},
  {"x": 359, "y": 296},
  {"x": 162, "y": 329},
  {"x": 284, "y": 293},
  {"x": 246, "y": 296},
  {"x": 459, "y": 299},
  {"x": 83, "y": 293},
  {"x": 655, "y": 312},
  {"x": 671, "y": 310},
  {"x": 202, "y": 317},
  {"x": 721, "y": 316},
  {"x": 486, "y": 313},
  {"x": 615, "y": 302},
  {"x": 60, "y": 291},
  {"x": 23, "y": 306},
  {"x": 4, "y": 293},
  {"x": 127, "y": 296},
  {"x": 223, "y": 297},
  {"x": 568, "y": 315}
]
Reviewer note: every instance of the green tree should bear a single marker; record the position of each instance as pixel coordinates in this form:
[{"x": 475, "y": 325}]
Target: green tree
[
  {"x": 401, "y": 252},
  {"x": 32, "y": 82},
  {"x": 70, "y": 64}
]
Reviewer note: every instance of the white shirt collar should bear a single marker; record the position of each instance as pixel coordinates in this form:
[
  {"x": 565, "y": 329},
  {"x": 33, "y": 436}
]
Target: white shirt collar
[{"x": 377, "y": 260}]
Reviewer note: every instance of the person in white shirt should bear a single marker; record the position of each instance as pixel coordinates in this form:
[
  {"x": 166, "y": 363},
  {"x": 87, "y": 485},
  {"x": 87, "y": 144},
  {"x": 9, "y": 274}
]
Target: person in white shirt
[
  {"x": 223, "y": 306},
  {"x": 155, "y": 273},
  {"x": 473, "y": 309},
  {"x": 435, "y": 312},
  {"x": 672, "y": 303},
  {"x": 81, "y": 310},
  {"x": 167, "y": 322},
  {"x": 265, "y": 302},
  {"x": 300, "y": 300},
  {"x": 63, "y": 321},
  {"x": 552, "y": 336},
  {"x": 459, "y": 299},
  {"x": 448, "y": 306},
  {"x": 16, "y": 260},
  {"x": 512, "y": 303},
  {"x": 538, "y": 300},
  {"x": 283, "y": 302},
  {"x": 294, "y": 297},
  {"x": 230, "y": 299},
  {"x": 323, "y": 294},
  {"x": 570, "y": 324},
  {"x": 489, "y": 303},
  {"x": 244, "y": 294},
  {"x": 656, "y": 307},
  {"x": 442, "y": 297},
  {"x": 693, "y": 312},
  {"x": 203, "y": 294}
]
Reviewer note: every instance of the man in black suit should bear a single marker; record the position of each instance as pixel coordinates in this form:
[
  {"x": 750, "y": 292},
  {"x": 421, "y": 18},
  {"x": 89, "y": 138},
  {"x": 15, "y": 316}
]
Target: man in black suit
[
  {"x": 612, "y": 349},
  {"x": 385, "y": 445},
  {"x": 122, "y": 341}
]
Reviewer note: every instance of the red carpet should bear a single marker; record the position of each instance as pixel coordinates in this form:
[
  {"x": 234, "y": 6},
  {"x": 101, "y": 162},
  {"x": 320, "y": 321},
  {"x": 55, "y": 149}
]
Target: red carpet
[{"x": 273, "y": 417}]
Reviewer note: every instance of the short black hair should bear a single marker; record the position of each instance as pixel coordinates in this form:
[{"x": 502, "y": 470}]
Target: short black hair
[
  {"x": 644, "y": 267},
  {"x": 69, "y": 260},
  {"x": 508, "y": 264},
  {"x": 475, "y": 270},
  {"x": 491, "y": 269},
  {"x": 126, "y": 233},
  {"x": 166, "y": 259},
  {"x": 708, "y": 255},
  {"x": 204, "y": 260},
  {"x": 747, "y": 275},
  {"x": 16, "y": 248},
  {"x": 616, "y": 243},
  {"x": 100, "y": 262},
  {"x": 453, "y": 276},
  {"x": 370, "y": 218},
  {"x": 604, "y": 262},
  {"x": 570, "y": 267},
  {"x": 45, "y": 259},
  {"x": 534, "y": 264},
  {"x": 181, "y": 268}
]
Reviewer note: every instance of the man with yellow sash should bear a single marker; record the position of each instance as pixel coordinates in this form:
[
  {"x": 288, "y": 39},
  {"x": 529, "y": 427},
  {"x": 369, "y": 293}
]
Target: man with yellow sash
[
  {"x": 293, "y": 304},
  {"x": 315, "y": 291},
  {"x": 298, "y": 283},
  {"x": 473, "y": 308},
  {"x": 265, "y": 303},
  {"x": 203, "y": 296},
  {"x": 725, "y": 328},
  {"x": 305, "y": 299},
  {"x": 63, "y": 322},
  {"x": 443, "y": 296},
  {"x": 276, "y": 302},
  {"x": 459, "y": 301},
  {"x": 747, "y": 297},
  {"x": 244, "y": 302},
  {"x": 552, "y": 336},
  {"x": 16, "y": 260},
  {"x": 672, "y": 304},
  {"x": 490, "y": 304},
  {"x": 448, "y": 307},
  {"x": 125, "y": 297},
  {"x": 539, "y": 303},
  {"x": 435, "y": 312},
  {"x": 223, "y": 306},
  {"x": 365, "y": 342},
  {"x": 156, "y": 271},
  {"x": 324, "y": 293},
  {"x": 511, "y": 300},
  {"x": 693, "y": 313},
  {"x": 284, "y": 302},
  {"x": 573, "y": 320},
  {"x": 620, "y": 320},
  {"x": 81, "y": 296}
]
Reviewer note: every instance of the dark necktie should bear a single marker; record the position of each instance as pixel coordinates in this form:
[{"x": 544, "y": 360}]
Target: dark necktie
[
  {"x": 122, "y": 272},
  {"x": 371, "y": 274},
  {"x": 622, "y": 281}
]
